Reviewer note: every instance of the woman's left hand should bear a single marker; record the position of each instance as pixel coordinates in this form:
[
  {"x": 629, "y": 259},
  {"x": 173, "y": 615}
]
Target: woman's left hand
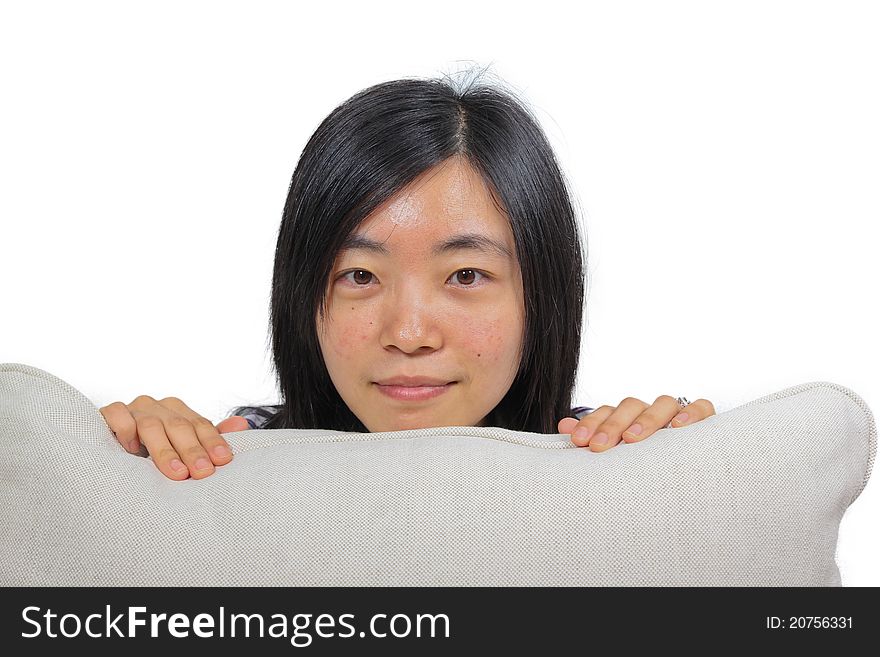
[{"x": 633, "y": 420}]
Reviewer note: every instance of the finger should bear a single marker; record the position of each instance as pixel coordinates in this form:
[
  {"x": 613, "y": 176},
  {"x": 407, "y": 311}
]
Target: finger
[
  {"x": 151, "y": 431},
  {"x": 208, "y": 436},
  {"x": 183, "y": 435},
  {"x": 693, "y": 412},
  {"x": 584, "y": 428},
  {"x": 608, "y": 433},
  {"x": 122, "y": 425},
  {"x": 654, "y": 417}
]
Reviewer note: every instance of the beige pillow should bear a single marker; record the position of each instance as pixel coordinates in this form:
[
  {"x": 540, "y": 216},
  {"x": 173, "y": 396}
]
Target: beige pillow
[{"x": 752, "y": 496}]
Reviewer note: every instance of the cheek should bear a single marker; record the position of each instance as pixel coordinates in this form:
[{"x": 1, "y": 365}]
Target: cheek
[
  {"x": 491, "y": 343},
  {"x": 348, "y": 336}
]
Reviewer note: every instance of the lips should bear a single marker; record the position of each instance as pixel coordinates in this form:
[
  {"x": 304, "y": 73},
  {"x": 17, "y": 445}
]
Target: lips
[
  {"x": 414, "y": 381},
  {"x": 414, "y": 388}
]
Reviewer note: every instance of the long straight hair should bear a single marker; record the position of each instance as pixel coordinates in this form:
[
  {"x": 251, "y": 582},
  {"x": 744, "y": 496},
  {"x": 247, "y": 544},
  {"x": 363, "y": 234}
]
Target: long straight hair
[{"x": 368, "y": 149}]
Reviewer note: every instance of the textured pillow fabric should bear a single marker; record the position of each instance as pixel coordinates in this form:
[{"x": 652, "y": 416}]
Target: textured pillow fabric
[{"x": 752, "y": 496}]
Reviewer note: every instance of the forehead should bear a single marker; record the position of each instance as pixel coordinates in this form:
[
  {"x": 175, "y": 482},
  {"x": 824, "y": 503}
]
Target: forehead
[{"x": 447, "y": 200}]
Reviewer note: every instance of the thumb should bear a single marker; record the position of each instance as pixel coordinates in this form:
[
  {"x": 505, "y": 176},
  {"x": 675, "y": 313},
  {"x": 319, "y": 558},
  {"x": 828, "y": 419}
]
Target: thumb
[
  {"x": 567, "y": 424},
  {"x": 234, "y": 423}
]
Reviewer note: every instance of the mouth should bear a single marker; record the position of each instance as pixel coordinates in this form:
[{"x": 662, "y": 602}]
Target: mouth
[{"x": 413, "y": 393}]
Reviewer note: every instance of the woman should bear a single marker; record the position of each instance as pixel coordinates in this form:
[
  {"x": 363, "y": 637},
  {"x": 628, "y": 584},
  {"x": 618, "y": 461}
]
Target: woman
[{"x": 428, "y": 272}]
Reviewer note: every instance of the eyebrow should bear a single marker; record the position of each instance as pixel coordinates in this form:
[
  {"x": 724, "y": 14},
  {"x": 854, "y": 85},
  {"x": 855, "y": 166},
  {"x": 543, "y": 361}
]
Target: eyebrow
[{"x": 473, "y": 241}]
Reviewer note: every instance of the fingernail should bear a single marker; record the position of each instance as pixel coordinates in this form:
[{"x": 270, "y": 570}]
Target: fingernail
[
  {"x": 599, "y": 439},
  {"x": 221, "y": 451},
  {"x": 681, "y": 418},
  {"x": 203, "y": 464},
  {"x": 635, "y": 430},
  {"x": 134, "y": 445},
  {"x": 177, "y": 465},
  {"x": 582, "y": 433}
]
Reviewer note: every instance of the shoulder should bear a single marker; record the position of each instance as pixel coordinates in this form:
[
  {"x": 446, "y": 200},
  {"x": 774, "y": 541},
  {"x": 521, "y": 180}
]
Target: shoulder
[
  {"x": 580, "y": 411},
  {"x": 257, "y": 416}
]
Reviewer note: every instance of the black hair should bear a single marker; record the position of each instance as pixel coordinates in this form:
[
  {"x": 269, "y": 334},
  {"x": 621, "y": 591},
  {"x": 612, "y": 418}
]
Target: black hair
[{"x": 368, "y": 149}]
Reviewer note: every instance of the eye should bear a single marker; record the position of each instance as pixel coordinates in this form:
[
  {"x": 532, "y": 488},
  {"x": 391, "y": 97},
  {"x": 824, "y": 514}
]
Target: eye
[
  {"x": 469, "y": 277},
  {"x": 360, "y": 279}
]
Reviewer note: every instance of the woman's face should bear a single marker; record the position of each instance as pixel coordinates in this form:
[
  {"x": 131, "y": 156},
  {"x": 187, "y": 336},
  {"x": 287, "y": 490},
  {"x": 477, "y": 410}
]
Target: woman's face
[{"x": 411, "y": 311}]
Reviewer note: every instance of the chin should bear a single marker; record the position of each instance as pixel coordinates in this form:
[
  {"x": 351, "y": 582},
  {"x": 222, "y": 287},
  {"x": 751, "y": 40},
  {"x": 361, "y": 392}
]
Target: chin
[{"x": 405, "y": 424}]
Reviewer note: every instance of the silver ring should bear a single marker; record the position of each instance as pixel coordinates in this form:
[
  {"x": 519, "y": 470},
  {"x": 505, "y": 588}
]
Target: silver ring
[{"x": 682, "y": 402}]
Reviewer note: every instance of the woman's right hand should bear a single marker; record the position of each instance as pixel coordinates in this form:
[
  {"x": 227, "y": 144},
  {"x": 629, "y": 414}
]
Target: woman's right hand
[{"x": 181, "y": 442}]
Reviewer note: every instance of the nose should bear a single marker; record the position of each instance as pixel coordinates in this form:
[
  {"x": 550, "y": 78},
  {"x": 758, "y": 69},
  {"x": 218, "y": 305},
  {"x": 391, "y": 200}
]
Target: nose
[{"x": 410, "y": 322}]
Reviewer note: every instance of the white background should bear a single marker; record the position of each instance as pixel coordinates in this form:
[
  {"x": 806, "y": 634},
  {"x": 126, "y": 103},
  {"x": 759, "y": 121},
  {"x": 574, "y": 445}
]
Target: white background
[{"x": 724, "y": 156}]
